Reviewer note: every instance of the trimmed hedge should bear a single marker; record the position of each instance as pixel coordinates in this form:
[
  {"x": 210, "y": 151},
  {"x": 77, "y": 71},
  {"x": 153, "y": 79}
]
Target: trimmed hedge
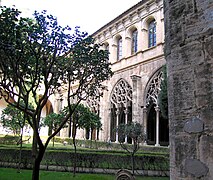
[
  {"x": 86, "y": 159},
  {"x": 9, "y": 139}
]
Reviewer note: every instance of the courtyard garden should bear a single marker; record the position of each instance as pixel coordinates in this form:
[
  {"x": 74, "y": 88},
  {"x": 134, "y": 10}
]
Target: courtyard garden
[{"x": 95, "y": 160}]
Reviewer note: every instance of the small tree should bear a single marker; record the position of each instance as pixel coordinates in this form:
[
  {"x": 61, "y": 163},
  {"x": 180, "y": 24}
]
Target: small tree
[
  {"x": 91, "y": 122},
  {"x": 83, "y": 118},
  {"x": 14, "y": 120},
  {"x": 54, "y": 120},
  {"x": 134, "y": 131}
]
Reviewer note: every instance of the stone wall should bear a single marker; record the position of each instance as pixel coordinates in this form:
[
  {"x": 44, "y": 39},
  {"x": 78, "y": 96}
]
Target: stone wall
[{"x": 189, "y": 55}]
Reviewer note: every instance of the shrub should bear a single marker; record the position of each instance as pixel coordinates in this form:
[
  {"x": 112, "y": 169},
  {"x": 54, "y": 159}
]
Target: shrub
[{"x": 90, "y": 159}]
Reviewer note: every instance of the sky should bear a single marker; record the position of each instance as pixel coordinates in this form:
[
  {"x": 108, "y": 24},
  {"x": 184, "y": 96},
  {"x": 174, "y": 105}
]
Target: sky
[{"x": 90, "y": 15}]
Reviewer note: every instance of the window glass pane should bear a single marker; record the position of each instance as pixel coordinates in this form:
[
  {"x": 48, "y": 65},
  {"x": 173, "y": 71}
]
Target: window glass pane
[
  {"x": 119, "y": 49},
  {"x": 152, "y": 33},
  {"x": 134, "y": 41}
]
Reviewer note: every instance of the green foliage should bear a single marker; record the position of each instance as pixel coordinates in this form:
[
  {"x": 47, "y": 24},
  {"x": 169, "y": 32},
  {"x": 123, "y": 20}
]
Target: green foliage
[
  {"x": 131, "y": 130},
  {"x": 84, "y": 118},
  {"x": 53, "y": 120},
  {"x": 134, "y": 131},
  {"x": 163, "y": 97},
  {"x": 8, "y": 139},
  {"x": 12, "y": 119},
  {"x": 90, "y": 159}
]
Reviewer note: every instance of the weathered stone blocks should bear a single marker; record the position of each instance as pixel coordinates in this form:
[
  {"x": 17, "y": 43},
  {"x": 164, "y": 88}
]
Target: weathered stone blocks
[
  {"x": 189, "y": 55},
  {"x": 195, "y": 125},
  {"x": 196, "y": 168}
]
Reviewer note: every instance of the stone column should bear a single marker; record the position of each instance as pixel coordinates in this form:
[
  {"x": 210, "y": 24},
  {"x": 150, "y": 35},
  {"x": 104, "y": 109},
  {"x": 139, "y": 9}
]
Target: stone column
[
  {"x": 135, "y": 97},
  {"x": 126, "y": 120},
  {"x": 127, "y": 44},
  {"x": 189, "y": 56},
  {"x": 117, "y": 123},
  {"x": 144, "y": 36},
  {"x": 157, "y": 109},
  {"x": 140, "y": 37},
  {"x": 145, "y": 124}
]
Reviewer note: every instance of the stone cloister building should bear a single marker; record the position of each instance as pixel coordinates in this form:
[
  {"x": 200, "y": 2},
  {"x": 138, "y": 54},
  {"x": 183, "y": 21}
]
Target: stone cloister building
[{"x": 135, "y": 40}]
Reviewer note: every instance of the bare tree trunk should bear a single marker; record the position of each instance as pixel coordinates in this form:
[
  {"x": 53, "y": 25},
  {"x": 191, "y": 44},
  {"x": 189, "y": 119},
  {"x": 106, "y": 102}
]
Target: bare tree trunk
[
  {"x": 133, "y": 163},
  {"x": 53, "y": 141},
  {"x": 91, "y": 133},
  {"x": 36, "y": 168},
  {"x": 34, "y": 147},
  {"x": 20, "y": 151},
  {"x": 36, "y": 163},
  {"x": 75, "y": 150}
]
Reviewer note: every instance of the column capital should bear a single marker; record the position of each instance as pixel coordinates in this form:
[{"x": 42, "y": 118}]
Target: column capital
[
  {"x": 135, "y": 77},
  {"x": 145, "y": 109},
  {"x": 126, "y": 111},
  {"x": 157, "y": 108},
  {"x": 117, "y": 112}
]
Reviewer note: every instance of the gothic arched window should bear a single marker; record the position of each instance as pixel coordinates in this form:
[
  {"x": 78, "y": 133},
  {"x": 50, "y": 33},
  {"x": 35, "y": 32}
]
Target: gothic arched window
[
  {"x": 134, "y": 41},
  {"x": 119, "y": 48},
  {"x": 93, "y": 103},
  {"x": 154, "y": 88},
  {"x": 121, "y": 108},
  {"x": 157, "y": 129},
  {"x": 152, "y": 33}
]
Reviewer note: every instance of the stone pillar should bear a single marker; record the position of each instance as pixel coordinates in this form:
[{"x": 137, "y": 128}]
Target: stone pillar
[
  {"x": 189, "y": 55},
  {"x": 145, "y": 124},
  {"x": 126, "y": 120},
  {"x": 144, "y": 38},
  {"x": 117, "y": 123},
  {"x": 157, "y": 109},
  {"x": 135, "y": 97},
  {"x": 127, "y": 44}
]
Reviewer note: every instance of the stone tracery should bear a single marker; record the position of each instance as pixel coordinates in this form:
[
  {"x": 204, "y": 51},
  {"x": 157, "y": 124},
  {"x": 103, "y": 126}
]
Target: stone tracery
[
  {"x": 94, "y": 102},
  {"x": 122, "y": 93},
  {"x": 121, "y": 107},
  {"x": 156, "y": 127},
  {"x": 154, "y": 88}
]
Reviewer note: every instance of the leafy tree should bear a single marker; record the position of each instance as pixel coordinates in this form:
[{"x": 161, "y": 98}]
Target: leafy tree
[
  {"x": 163, "y": 97},
  {"x": 14, "y": 120},
  {"x": 53, "y": 120},
  {"x": 38, "y": 56},
  {"x": 134, "y": 131},
  {"x": 83, "y": 118}
]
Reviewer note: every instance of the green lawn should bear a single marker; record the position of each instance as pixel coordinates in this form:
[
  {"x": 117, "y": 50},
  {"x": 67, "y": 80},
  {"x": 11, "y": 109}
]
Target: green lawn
[{"x": 8, "y": 174}]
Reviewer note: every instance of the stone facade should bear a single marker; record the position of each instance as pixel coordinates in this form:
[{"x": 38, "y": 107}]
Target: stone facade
[
  {"x": 189, "y": 55},
  {"x": 133, "y": 71}
]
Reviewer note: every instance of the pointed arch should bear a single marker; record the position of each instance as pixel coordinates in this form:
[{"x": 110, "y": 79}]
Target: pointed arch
[
  {"x": 121, "y": 93},
  {"x": 121, "y": 108},
  {"x": 156, "y": 126},
  {"x": 93, "y": 103},
  {"x": 153, "y": 88}
]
